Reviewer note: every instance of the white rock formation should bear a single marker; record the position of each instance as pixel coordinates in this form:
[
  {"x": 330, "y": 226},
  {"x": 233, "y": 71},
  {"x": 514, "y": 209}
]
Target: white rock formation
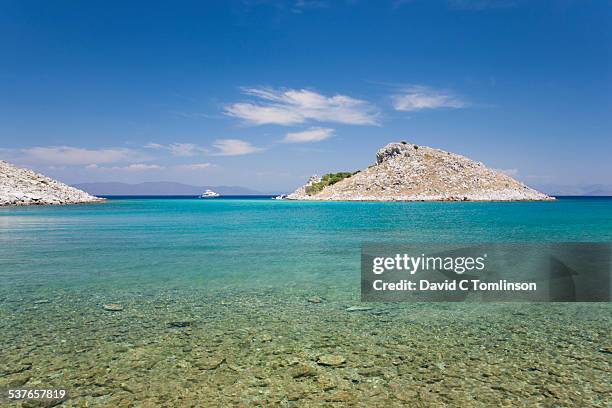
[
  {"x": 25, "y": 187},
  {"x": 407, "y": 172}
]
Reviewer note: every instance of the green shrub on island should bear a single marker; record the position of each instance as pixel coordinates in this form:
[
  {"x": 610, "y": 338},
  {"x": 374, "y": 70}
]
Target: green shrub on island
[{"x": 327, "y": 180}]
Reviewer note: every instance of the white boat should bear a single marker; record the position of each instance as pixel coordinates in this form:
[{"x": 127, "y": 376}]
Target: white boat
[
  {"x": 280, "y": 197},
  {"x": 209, "y": 194}
]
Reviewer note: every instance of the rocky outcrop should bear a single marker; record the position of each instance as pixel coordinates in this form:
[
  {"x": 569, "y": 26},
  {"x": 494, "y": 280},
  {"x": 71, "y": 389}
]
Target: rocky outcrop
[
  {"x": 303, "y": 190},
  {"x": 408, "y": 172},
  {"x": 25, "y": 187}
]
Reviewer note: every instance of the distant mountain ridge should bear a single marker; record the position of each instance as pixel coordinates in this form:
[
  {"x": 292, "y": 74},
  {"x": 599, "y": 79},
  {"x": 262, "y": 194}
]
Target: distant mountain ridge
[
  {"x": 159, "y": 188},
  {"x": 576, "y": 190}
]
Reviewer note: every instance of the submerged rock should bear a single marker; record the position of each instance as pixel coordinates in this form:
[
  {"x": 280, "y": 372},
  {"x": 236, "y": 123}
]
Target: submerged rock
[
  {"x": 180, "y": 324},
  {"x": 20, "y": 186},
  {"x": 113, "y": 307},
  {"x": 210, "y": 363},
  {"x": 303, "y": 370},
  {"x": 358, "y": 308},
  {"x": 408, "y": 172},
  {"x": 331, "y": 360}
]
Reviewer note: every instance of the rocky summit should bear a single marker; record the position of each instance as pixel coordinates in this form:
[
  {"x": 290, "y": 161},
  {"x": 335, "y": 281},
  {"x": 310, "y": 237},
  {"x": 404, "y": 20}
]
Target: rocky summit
[
  {"x": 408, "y": 172},
  {"x": 25, "y": 187}
]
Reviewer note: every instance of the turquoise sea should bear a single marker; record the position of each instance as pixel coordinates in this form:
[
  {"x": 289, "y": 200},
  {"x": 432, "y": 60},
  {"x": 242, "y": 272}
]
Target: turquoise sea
[
  {"x": 233, "y": 301},
  {"x": 258, "y": 242}
]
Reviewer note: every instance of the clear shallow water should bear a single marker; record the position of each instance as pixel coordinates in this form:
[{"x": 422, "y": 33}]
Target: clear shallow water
[
  {"x": 216, "y": 310},
  {"x": 253, "y": 242}
]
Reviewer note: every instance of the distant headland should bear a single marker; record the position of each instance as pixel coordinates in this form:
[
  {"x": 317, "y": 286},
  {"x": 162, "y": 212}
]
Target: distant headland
[{"x": 409, "y": 172}]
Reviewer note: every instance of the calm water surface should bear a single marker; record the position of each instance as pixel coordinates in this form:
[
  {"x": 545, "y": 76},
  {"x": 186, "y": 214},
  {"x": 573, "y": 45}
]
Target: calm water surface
[{"x": 253, "y": 242}]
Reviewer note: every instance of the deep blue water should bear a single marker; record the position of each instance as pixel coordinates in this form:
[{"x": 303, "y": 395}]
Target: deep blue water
[{"x": 256, "y": 241}]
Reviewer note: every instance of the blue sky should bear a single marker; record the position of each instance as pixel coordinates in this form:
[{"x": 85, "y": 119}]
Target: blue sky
[{"x": 265, "y": 93}]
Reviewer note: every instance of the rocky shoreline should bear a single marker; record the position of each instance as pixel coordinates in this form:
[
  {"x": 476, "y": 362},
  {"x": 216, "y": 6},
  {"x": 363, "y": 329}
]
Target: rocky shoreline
[
  {"x": 408, "y": 172},
  {"x": 19, "y": 186}
]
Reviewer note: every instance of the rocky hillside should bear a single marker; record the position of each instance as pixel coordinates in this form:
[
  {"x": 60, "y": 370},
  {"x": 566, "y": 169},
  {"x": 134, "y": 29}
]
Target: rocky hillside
[
  {"x": 24, "y": 187},
  {"x": 407, "y": 172}
]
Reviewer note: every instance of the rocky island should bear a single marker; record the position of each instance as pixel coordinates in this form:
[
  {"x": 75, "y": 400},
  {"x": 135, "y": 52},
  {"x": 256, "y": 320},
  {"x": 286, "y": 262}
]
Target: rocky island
[
  {"x": 408, "y": 172},
  {"x": 20, "y": 186}
]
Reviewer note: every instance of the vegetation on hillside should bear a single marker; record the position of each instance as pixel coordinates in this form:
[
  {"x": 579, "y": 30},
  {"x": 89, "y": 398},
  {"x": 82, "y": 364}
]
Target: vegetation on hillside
[{"x": 327, "y": 180}]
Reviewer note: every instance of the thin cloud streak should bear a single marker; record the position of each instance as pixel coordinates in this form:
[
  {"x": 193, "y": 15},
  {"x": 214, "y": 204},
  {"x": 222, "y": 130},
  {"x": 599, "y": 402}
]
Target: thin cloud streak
[
  {"x": 509, "y": 172},
  {"x": 309, "y": 135},
  {"x": 74, "y": 156},
  {"x": 416, "y": 98},
  {"x": 295, "y": 106},
  {"x": 196, "y": 166},
  {"x": 234, "y": 147},
  {"x": 136, "y": 167},
  {"x": 178, "y": 149}
]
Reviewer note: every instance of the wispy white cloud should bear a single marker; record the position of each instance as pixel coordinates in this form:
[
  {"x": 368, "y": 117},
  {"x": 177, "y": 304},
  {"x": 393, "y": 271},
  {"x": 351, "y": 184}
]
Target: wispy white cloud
[
  {"x": 143, "y": 167},
  {"x": 135, "y": 167},
  {"x": 509, "y": 172},
  {"x": 309, "y": 135},
  {"x": 418, "y": 97},
  {"x": 196, "y": 166},
  {"x": 234, "y": 147},
  {"x": 293, "y": 106},
  {"x": 74, "y": 156},
  {"x": 178, "y": 149}
]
